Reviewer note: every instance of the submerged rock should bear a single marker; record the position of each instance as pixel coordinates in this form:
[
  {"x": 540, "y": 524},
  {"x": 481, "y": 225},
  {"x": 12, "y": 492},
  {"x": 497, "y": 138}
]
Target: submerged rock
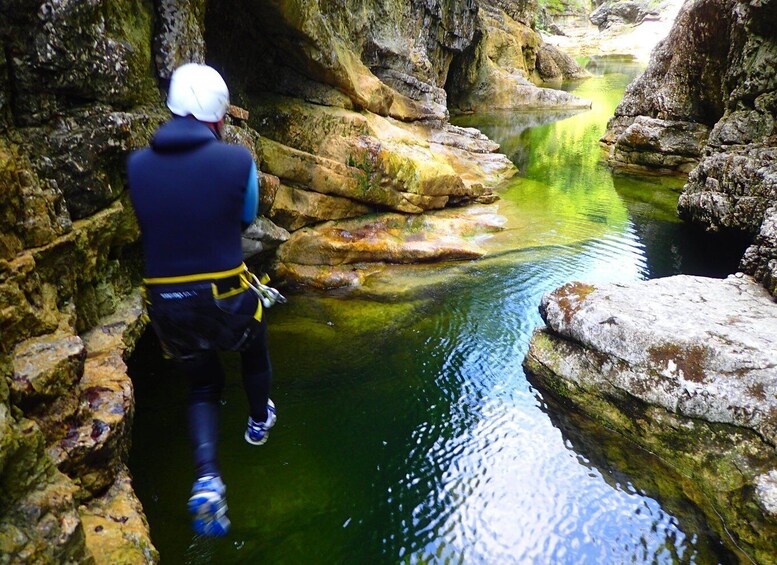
[{"x": 684, "y": 367}]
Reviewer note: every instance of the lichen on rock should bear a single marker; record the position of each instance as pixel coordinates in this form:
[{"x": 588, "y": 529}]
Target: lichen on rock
[{"x": 684, "y": 367}]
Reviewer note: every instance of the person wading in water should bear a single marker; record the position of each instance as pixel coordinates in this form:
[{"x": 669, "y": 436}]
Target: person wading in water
[{"x": 193, "y": 194}]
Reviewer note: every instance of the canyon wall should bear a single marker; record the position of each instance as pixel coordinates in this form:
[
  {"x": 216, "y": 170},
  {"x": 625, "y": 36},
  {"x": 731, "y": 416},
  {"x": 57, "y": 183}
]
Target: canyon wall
[
  {"x": 706, "y": 106},
  {"x": 351, "y": 100}
]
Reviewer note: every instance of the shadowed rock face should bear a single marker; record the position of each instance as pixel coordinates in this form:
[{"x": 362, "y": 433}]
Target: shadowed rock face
[
  {"x": 685, "y": 367},
  {"x": 706, "y": 105},
  {"x": 682, "y": 90}
]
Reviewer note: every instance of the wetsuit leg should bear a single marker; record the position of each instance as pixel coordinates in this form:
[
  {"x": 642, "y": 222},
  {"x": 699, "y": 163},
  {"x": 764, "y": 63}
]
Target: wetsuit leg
[
  {"x": 206, "y": 380},
  {"x": 257, "y": 374}
]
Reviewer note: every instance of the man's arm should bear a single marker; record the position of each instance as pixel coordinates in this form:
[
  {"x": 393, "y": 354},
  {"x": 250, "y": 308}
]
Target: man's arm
[{"x": 251, "y": 198}]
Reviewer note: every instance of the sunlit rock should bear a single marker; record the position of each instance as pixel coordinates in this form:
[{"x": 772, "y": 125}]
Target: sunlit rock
[
  {"x": 713, "y": 73},
  {"x": 496, "y": 72},
  {"x": 364, "y": 160},
  {"x": 115, "y": 527},
  {"x": 683, "y": 84},
  {"x": 656, "y": 145},
  {"x": 685, "y": 367},
  {"x": 343, "y": 253}
]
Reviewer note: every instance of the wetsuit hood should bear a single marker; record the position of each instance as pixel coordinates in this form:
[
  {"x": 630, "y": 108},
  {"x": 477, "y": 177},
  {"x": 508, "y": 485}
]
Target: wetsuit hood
[{"x": 180, "y": 134}]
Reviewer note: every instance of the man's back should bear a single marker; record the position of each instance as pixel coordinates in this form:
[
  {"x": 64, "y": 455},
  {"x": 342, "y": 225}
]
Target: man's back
[{"x": 188, "y": 192}]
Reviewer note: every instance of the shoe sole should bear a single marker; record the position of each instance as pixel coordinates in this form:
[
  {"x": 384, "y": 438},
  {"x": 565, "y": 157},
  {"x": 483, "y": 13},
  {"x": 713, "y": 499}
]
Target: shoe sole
[
  {"x": 270, "y": 423},
  {"x": 256, "y": 442}
]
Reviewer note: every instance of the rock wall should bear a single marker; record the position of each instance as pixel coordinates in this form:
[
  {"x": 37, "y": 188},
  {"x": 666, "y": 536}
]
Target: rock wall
[
  {"x": 502, "y": 67},
  {"x": 706, "y": 105},
  {"x": 354, "y": 115},
  {"x": 352, "y": 97}
]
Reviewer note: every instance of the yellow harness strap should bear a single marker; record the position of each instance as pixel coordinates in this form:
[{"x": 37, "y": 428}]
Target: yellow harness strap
[{"x": 197, "y": 277}]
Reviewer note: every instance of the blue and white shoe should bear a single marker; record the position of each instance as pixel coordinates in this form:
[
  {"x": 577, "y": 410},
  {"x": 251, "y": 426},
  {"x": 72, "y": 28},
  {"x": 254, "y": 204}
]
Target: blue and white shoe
[
  {"x": 208, "y": 505},
  {"x": 258, "y": 432}
]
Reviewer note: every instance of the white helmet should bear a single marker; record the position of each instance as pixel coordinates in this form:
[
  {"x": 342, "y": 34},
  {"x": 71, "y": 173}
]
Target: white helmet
[{"x": 198, "y": 90}]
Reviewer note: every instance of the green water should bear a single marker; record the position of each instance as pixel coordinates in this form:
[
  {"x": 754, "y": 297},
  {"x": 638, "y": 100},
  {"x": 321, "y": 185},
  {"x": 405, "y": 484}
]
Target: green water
[{"x": 407, "y": 431}]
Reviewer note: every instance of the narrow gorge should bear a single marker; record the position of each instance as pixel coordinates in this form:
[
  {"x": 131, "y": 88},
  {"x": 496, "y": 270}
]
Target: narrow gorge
[{"x": 347, "y": 108}]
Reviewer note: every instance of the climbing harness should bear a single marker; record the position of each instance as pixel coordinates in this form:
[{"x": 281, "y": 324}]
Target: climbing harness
[{"x": 244, "y": 278}]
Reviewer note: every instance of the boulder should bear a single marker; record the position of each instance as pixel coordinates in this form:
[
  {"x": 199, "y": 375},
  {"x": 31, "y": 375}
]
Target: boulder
[
  {"x": 684, "y": 367},
  {"x": 651, "y": 144},
  {"x": 609, "y": 14}
]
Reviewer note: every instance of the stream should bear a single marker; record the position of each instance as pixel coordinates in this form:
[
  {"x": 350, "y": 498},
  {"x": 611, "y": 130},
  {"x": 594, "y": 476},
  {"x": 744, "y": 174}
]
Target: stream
[{"x": 407, "y": 430}]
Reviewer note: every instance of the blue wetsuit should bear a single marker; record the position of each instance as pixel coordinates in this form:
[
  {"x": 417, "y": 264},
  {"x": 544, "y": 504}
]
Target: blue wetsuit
[{"x": 192, "y": 194}]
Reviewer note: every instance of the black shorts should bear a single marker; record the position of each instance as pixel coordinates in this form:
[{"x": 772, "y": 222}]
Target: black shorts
[{"x": 193, "y": 318}]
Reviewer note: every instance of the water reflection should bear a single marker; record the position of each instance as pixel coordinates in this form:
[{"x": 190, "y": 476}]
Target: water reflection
[{"x": 407, "y": 430}]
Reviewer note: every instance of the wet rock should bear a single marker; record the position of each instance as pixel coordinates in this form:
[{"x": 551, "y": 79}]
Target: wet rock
[
  {"x": 115, "y": 527},
  {"x": 343, "y": 253},
  {"x": 683, "y": 366},
  {"x": 46, "y": 367}
]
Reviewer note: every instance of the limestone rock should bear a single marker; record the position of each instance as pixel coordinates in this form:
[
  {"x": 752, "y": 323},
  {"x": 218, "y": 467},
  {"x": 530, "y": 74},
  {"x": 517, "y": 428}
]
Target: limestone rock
[
  {"x": 33, "y": 211},
  {"x": 715, "y": 70},
  {"x": 732, "y": 189},
  {"x": 46, "y": 367},
  {"x": 374, "y": 160},
  {"x": 179, "y": 35},
  {"x": 553, "y": 65},
  {"x": 657, "y": 145},
  {"x": 89, "y": 51},
  {"x": 684, "y": 81},
  {"x": 84, "y": 153},
  {"x": 760, "y": 259},
  {"x": 685, "y": 367},
  {"x": 294, "y": 208},
  {"x": 354, "y": 49},
  {"x": 610, "y": 14},
  {"x": 38, "y": 518}
]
